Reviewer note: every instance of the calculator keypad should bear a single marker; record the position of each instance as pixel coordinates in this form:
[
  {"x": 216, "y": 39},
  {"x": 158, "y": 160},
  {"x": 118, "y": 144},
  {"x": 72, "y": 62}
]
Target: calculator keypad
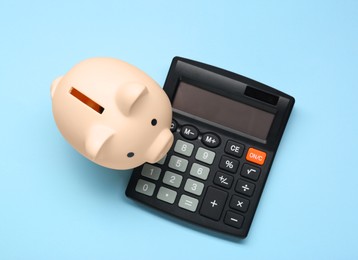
[
  {"x": 199, "y": 171},
  {"x": 233, "y": 219},
  {"x": 184, "y": 148},
  {"x": 205, "y": 156},
  {"x": 188, "y": 203},
  {"x": 194, "y": 187},
  {"x": 213, "y": 203},
  {"x": 250, "y": 172},
  {"x": 204, "y": 174},
  {"x": 211, "y": 140},
  {"x": 189, "y": 132},
  {"x": 223, "y": 180},
  {"x": 166, "y": 195},
  {"x": 239, "y": 203},
  {"x": 178, "y": 163},
  {"x": 229, "y": 164},
  {"x": 172, "y": 179},
  {"x": 234, "y": 148},
  {"x": 145, "y": 187},
  {"x": 245, "y": 188},
  {"x": 151, "y": 171}
]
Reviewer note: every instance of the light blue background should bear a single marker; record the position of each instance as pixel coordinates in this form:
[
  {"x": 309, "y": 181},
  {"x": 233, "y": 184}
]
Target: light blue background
[{"x": 54, "y": 204}]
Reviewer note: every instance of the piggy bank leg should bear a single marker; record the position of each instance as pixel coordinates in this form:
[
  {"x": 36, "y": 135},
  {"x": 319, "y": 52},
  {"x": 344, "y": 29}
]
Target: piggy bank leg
[{"x": 96, "y": 137}]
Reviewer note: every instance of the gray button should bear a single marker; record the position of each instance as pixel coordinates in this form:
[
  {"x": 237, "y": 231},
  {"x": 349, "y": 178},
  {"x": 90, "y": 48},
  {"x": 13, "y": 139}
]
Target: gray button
[
  {"x": 194, "y": 187},
  {"x": 145, "y": 187},
  {"x": 188, "y": 203},
  {"x": 166, "y": 195},
  {"x": 184, "y": 148},
  {"x": 178, "y": 163},
  {"x": 151, "y": 171},
  {"x": 199, "y": 171},
  {"x": 161, "y": 161},
  {"x": 205, "y": 155},
  {"x": 172, "y": 179}
]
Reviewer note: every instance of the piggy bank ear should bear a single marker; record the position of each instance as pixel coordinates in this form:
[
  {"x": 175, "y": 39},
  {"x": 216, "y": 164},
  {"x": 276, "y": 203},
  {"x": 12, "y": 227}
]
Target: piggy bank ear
[
  {"x": 96, "y": 137},
  {"x": 128, "y": 95},
  {"x": 54, "y": 85}
]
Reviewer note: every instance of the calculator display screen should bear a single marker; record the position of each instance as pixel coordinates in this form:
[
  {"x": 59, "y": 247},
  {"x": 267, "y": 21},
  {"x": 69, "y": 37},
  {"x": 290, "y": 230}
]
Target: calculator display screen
[{"x": 222, "y": 110}]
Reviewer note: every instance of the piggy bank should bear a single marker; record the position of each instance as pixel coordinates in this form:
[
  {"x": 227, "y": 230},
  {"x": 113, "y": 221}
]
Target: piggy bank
[{"x": 112, "y": 113}]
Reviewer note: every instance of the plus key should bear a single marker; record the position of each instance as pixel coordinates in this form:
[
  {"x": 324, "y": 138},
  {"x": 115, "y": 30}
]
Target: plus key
[{"x": 213, "y": 203}]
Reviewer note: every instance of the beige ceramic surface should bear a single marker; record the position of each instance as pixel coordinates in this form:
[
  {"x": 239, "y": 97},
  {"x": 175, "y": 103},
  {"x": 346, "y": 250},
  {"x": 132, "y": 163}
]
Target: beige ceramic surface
[{"x": 112, "y": 113}]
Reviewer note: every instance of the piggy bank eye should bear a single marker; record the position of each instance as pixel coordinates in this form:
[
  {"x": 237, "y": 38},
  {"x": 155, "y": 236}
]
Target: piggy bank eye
[
  {"x": 154, "y": 122},
  {"x": 130, "y": 155}
]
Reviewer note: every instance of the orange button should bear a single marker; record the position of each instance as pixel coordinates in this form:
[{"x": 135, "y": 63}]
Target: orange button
[{"x": 256, "y": 156}]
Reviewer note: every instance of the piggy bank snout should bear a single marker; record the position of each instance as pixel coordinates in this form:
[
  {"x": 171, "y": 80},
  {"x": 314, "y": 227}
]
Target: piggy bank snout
[{"x": 160, "y": 146}]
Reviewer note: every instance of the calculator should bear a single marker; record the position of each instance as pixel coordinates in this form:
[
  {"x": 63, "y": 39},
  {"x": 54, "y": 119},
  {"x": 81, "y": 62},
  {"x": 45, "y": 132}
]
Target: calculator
[{"x": 226, "y": 129}]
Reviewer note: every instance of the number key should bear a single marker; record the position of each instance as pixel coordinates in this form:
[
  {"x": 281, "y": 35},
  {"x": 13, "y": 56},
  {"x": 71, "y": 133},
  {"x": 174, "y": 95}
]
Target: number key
[
  {"x": 199, "y": 171},
  {"x": 151, "y": 171},
  {"x": 162, "y": 161},
  {"x": 194, "y": 187},
  {"x": 178, "y": 163},
  {"x": 184, "y": 148},
  {"x": 172, "y": 179},
  {"x": 145, "y": 187},
  {"x": 205, "y": 156}
]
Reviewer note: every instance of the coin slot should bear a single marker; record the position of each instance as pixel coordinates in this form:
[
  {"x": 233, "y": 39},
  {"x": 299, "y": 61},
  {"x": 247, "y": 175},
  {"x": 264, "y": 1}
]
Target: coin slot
[{"x": 86, "y": 100}]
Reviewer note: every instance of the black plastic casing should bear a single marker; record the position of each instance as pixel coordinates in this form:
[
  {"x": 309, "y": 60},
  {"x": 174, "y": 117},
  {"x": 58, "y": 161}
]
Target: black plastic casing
[{"x": 235, "y": 87}]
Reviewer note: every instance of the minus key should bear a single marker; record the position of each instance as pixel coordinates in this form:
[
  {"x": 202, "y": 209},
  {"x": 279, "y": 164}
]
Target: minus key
[{"x": 233, "y": 219}]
